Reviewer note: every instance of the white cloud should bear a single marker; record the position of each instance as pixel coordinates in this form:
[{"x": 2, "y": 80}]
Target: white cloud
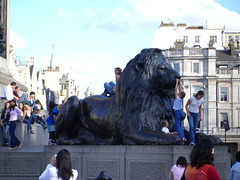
[
  {"x": 17, "y": 40},
  {"x": 89, "y": 69},
  {"x": 63, "y": 13},
  {"x": 149, "y": 13}
]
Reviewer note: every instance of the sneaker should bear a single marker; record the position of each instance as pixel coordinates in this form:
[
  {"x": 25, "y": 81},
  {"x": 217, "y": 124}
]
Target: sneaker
[
  {"x": 19, "y": 145},
  {"x": 183, "y": 141},
  {"x": 192, "y": 143},
  {"x": 44, "y": 127},
  {"x": 31, "y": 131},
  {"x": 10, "y": 148},
  {"x": 104, "y": 94}
]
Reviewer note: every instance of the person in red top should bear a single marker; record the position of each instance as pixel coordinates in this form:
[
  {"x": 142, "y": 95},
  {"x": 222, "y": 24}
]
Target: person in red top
[{"x": 201, "y": 166}]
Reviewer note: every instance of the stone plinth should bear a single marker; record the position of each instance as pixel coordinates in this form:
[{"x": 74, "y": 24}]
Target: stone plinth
[{"x": 121, "y": 162}]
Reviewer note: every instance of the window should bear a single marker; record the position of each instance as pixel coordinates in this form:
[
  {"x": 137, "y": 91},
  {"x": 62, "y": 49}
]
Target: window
[
  {"x": 223, "y": 117},
  {"x": 214, "y": 38},
  {"x": 229, "y": 38},
  {"x": 236, "y": 38},
  {"x": 196, "y": 67},
  {"x": 185, "y": 39},
  {"x": 195, "y": 90},
  {"x": 176, "y": 67},
  {"x": 197, "y": 39},
  {"x": 223, "y": 93}
]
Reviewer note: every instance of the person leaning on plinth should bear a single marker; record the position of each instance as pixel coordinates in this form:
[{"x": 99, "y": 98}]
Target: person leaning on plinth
[
  {"x": 235, "y": 170},
  {"x": 177, "y": 107},
  {"x": 110, "y": 87},
  {"x": 201, "y": 166},
  {"x": 194, "y": 113},
  {"x": 7, "y": 93},
  {"x": 60, "y": 167},
  {"x": 5, "y": 115}
]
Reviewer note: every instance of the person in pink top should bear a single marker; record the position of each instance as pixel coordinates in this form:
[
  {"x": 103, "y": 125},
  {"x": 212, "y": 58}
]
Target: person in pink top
[
  {"x": 14, "y": 111},
  {"x": 178, "y": 169}
]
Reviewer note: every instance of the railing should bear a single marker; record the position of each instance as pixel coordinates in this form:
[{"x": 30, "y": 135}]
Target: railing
[
  {"x": 176, "y": 52},
  {"x": 236, "y": 130},
  {"x": 195, "y": 52},
  {"x": 223, "y": 70}
]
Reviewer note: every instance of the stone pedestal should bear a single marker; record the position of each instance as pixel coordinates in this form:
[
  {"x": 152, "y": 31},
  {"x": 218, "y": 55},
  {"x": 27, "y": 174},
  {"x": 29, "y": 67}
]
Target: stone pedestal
[{"x": 120, "y": 162}]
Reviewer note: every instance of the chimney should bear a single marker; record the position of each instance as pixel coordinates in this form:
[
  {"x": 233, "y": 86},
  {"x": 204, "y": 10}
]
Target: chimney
[
  {"x": 211, "y": 43},
  {"x": 231, "y": 44}
]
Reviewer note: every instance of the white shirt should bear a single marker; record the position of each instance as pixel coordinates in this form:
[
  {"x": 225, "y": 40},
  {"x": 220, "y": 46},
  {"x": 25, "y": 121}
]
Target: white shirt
[
  {"x": 195, "y": 104},
  {"x": 177, "y": 105},
  {"x": 50, "y": 173},
  {"x": 7, "y": 92},
  {"x": 165, "y": 130}
]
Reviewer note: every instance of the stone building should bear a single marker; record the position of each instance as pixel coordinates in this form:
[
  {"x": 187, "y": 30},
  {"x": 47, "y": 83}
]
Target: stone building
[
  {"x": 217, "y": 73},
  {"x": 235, "y": 36},
  {"x": 192, "y": 36},
  {"x": 69, "y": 87}
]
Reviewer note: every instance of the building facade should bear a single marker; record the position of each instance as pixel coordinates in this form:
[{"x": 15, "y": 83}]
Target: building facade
[
  {"x": 217, "y": 73},
  {"x": 192, "y": 36},
  {"x": 235, "y": 36}
]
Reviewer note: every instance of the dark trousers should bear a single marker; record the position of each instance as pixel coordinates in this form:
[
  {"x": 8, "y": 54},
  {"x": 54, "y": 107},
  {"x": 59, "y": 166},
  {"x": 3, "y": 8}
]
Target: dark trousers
[{"x": 14, "y": 140}]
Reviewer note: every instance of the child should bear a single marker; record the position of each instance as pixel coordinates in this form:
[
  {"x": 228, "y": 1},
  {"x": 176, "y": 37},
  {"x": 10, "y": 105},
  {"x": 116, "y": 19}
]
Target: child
[
  {"x": 164, "y": 126},
  {"x": 177, "y": 107}
]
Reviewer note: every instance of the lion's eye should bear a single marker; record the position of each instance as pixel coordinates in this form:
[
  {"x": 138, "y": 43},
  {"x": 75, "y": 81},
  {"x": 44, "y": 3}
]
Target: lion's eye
[{"x": 162, "y": 67}]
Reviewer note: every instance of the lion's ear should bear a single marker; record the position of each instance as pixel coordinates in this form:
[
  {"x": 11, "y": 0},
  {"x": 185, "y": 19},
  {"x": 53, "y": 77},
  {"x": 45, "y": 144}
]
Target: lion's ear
[{"x": 139, "y": 66}]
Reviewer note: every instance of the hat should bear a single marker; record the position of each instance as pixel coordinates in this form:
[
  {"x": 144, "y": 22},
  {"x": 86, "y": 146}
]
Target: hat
[{"x": 35, "y": 108}]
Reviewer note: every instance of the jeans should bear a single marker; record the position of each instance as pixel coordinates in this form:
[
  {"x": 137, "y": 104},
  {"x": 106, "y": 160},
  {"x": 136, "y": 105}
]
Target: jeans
[
  {"x": 5, "y": 133},
  {"x": 109, "y": 88},
  {"x": 193, "y": 122},
  {"x": 179, "y": 123},
  {"x": 28, "y": 124},
  {"x": 14, "y": 140},
  {"x": 34, "y": 119}
]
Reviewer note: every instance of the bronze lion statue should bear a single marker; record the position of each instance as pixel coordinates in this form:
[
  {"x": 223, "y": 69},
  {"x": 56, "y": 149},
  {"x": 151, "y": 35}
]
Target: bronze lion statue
[{"x": 144, "y": 96}]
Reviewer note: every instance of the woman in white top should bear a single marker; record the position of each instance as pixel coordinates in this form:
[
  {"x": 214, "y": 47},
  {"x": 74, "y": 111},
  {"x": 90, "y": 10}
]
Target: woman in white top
[
  {"x": 60, "y": 168},
  {"x": 194, "y": 113}
]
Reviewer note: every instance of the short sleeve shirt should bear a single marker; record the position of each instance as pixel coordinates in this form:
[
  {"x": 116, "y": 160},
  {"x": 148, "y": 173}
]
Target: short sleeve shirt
[{"x": 195, "y": 103}]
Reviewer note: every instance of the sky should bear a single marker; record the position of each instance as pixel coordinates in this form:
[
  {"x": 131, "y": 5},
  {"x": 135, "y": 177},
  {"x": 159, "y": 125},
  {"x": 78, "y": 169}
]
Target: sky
[{"x": 90, "y": 38}]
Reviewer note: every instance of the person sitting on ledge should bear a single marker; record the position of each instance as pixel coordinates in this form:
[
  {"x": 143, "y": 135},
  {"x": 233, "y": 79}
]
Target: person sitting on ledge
[
  {"x": 164, "y": 125},
  {"x": 111, "y": 86},
  {"x": 35, "y": 118}
]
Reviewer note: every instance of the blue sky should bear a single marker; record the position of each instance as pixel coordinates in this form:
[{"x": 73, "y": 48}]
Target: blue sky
[{"x": 91, "y": 38}]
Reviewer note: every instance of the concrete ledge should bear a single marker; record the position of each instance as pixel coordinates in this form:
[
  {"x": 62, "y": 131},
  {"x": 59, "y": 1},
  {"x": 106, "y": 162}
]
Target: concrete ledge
[
  {"x": 40, "y": 138},
  {"x": 121, "y": 162}
]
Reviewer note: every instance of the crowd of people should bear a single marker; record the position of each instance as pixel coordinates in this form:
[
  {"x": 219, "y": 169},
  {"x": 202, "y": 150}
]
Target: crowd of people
[{"x": 28, "y": 110}]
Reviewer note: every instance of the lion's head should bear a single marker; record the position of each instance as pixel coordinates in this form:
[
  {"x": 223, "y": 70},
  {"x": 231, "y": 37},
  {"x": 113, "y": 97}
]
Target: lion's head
[{"x": 145, "y": 90}]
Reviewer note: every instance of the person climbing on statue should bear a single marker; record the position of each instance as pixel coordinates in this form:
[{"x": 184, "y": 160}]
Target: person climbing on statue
[{"x": 177, "y": 107}]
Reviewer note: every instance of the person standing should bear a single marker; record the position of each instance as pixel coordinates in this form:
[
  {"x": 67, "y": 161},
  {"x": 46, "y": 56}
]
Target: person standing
[
  {"x": 60, "y": 167},
  {"x": 201, "y": 166},
  {"x": 235, "y": 170},
  {"x": 51, "y": 122},
  {"x": 14, "y": 111},
  {"x": 177, "y": 107},
  {"x": 5, "y": 123},
  {"x": 7, "y": 93},
  {"x": 194, "y": 113},
  {"x": 178, "y": 169}
]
